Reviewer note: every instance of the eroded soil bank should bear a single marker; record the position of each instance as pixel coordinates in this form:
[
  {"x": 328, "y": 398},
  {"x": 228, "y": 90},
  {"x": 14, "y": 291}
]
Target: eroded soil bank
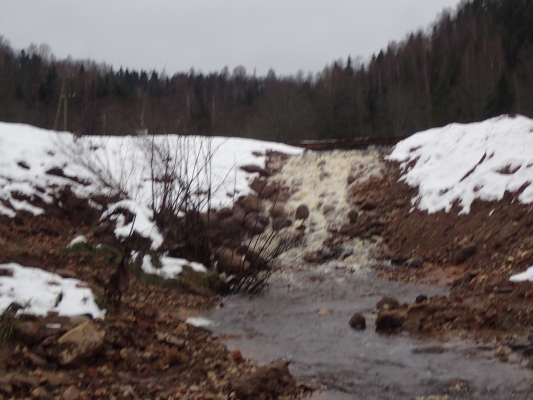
[{"x": 467, "y": 339}]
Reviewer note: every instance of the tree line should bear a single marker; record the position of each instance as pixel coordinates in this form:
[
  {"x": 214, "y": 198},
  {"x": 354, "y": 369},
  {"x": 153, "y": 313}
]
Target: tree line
[{"x": 473, "y": 63}]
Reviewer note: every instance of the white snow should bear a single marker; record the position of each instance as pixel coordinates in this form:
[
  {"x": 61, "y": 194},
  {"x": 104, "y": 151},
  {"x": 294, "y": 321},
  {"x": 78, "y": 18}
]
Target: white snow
[
  {"x": 527, "y": 275},
  {"x": 100, "y": 166},
  {"x": 464, "y": 162},
  {"x": 97, "y": 165},
  {"x": 40, "y": 291},
  {"x": 78, "y": 239},
  {"x": 171, "y": 267},
  {"x": 199, "y": 321}
]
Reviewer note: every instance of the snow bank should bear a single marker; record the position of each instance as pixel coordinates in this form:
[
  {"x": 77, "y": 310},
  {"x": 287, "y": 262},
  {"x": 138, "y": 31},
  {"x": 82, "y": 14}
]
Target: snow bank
[
  {"x": 37, "y": 163},
  {"x": 464, "y": 162},
  {"x": 40, "y": 291}
]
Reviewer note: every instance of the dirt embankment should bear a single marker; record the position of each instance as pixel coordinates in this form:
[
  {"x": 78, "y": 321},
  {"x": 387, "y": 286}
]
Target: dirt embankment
[
  {"x": 474, "y": 254},
  {"x": 142, "y": 350}
]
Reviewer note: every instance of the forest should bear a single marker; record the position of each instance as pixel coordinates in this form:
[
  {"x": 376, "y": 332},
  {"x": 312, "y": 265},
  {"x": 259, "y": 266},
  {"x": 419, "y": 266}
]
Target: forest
[{"x": 473, "y": 63}]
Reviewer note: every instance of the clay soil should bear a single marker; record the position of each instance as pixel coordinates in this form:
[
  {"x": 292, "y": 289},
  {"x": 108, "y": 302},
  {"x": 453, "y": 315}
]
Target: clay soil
[
  {"x": 473, "y": 254},
  {"x": 149, "y": 352}
]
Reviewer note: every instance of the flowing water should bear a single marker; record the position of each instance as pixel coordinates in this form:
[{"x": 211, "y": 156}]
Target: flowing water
[{"x": 303, "y": 316}]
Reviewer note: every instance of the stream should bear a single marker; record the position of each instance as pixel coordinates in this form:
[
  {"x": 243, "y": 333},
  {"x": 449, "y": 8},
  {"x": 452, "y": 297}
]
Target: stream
[
  {"x": 303, "y": 315},
  {"x": 305, "y": 322}
]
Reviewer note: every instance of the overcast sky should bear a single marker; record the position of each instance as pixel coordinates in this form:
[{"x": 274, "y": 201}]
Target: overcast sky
[{"x": 176, "y": 35}]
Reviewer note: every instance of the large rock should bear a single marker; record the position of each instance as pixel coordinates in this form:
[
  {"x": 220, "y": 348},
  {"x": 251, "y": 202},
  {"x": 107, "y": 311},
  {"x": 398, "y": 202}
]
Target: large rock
[
  {"x": 358, "y": 321},
  {"x": 29, "y": 332},
  {"x": 258, "y": 184},
  {"x": 464, "y": 253},
  {"x": 228, "y": 227},
  {"x": 268, "y": 191},
  {"x": 251, "y": 168},
  {"x": 390, "y": 320},
  {"x": 254, "y": 224},
  {"x": 302, "y": 212},
  {"x": 277, "y": 211},
  {"x": 270, "y": 381},
  {"x": 231, "y": 263},
  {"x": 387, "y": 303},
  {"x": 281, "y": 223},
  {"x": 79, "y": 344},
  {"x": 250, "y": 203}
]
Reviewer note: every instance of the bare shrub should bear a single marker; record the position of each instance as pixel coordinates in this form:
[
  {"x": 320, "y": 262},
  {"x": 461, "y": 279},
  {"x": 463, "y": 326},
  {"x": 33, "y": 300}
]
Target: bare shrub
[{"x": 177, "y": 185}]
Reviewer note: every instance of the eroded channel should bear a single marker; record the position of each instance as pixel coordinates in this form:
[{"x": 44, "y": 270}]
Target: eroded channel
[
  {"x": 303, "y": 315},
  {"x": 305, "y": 322}
]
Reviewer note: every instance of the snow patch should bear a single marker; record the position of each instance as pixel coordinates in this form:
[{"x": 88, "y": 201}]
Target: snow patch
[
  {"x": 40, "y": 291},
  {"x": 466, "y": 162}
]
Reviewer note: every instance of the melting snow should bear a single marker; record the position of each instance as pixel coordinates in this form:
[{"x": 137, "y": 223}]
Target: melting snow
[
  {"x": 464, "y": 162},
  {"x": 171, "y": 267},
  {"x": 40, "y": 291}
]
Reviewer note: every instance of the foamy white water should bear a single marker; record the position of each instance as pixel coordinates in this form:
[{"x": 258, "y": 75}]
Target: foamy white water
[{"x": 320, "y": 181}]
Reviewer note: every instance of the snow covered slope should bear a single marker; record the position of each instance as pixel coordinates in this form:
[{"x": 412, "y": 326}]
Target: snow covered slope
[
  {"x": 464, "y": 162},
  {"x": 36, "y": 163}
]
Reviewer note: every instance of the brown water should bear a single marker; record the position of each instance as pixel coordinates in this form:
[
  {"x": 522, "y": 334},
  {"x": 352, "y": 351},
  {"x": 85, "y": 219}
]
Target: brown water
[{"x": 286, "y": 322}]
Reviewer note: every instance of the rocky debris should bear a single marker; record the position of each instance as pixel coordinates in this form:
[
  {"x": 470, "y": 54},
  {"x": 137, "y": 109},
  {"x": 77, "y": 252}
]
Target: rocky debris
[
  {"x": 78, "y": 345},
  {"x": 358, "y": 321},
  {"x": 268, "y": 382},
  {"x": 143, "y": 350}
]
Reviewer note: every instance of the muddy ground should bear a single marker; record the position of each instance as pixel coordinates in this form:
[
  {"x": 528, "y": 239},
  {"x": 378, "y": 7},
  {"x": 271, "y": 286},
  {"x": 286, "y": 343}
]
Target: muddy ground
[
  {"x": 147, "y": 351},
  {"x": 473, "y": 254}
]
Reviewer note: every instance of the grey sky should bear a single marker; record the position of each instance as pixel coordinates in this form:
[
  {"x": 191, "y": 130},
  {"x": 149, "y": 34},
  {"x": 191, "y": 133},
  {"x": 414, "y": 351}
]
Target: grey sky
[{"x": 176, "y": 35}]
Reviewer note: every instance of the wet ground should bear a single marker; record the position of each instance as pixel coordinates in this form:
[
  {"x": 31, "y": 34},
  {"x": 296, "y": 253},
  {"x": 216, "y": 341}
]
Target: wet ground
[{"x": 303, "y": 317}]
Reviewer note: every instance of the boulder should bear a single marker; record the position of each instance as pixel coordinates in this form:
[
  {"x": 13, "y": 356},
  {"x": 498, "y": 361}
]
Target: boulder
[
  {"x": 277, "y": 211},
  {"x": 415, "y": 262},
  {"x": 352, "y": 216},
  {"x": 79, "y": 344},
  {"x": 270, "y": 381},
  {"x": 268, "y": 191},
  {"x": 258, "y": 184},
  {"x": 250, "y": 203},
  {"x": 387, "y": 303},
  {"x": 281, "y": 223},
  {"x": 228, "y": 227},
  {"x": 302, "y": 212},
  {"x": 231, "y": 263},
  {"x": 29, "y": 332},
  {"x": 255, "y": 224},
  {"x": 252, "y": 168},
  {"x": 389, "y": 320},
  {"x": 464, "y": 253},
  {"x": 358, "y": 321},
  {"x": 369, "y": 205},
  {"x": 239, "y": 214}
]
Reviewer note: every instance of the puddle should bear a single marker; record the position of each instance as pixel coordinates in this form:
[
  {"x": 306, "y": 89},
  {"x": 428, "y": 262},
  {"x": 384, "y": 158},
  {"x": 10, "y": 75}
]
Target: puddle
[{"x": 305, "y": 320}]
